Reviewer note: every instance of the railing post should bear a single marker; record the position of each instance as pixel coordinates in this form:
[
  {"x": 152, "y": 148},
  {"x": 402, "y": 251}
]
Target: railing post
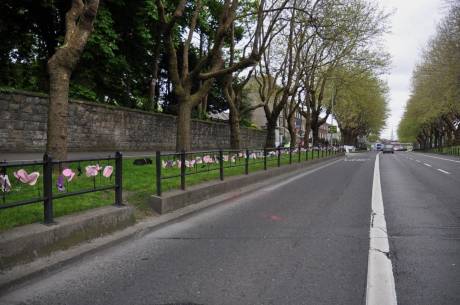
[
  {"x": 322, "y": 153},
  {"x": 221, "y": 164},
  {"x": 279, "y": 156},
  {"x": 118, "y": 179},
  {"x": 48, "y": 189},
  {"x": 182, "y": 170},
  {"x": 265, "y": 158},
  {"x": 158, "y": 171},
  {"x": 290, "y": 155},
  {"x": 306, "y": 153},
  {"x": 318, "y": 153},
  {"x": 246, "y": 163},
  {"x": 299, "y": 152}
]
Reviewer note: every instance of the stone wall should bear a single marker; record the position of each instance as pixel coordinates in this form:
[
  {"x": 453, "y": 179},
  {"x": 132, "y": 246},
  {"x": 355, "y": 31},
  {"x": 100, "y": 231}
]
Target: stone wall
[{"x": 97, "y": 127}]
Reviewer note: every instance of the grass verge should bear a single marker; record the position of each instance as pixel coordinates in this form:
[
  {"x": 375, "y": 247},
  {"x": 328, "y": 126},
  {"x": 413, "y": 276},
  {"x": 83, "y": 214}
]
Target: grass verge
[{"x": 139, "y": 182}]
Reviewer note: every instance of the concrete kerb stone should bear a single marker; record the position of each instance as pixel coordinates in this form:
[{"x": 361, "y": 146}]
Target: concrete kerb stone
[
  {"x": 46, "y": 264},
  {"x": 178, "y": 199},
  {"x": 26, "y": 243}
]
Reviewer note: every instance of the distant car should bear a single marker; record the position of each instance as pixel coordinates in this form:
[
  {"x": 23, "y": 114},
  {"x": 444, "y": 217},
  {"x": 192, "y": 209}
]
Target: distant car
[{"x": 388, "y": 148}]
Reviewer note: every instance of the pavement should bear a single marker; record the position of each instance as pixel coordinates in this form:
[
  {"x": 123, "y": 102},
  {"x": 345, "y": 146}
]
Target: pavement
[{"x": 303, "y": 240}]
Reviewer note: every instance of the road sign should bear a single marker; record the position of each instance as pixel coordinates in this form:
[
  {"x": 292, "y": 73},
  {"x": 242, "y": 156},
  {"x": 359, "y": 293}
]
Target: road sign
[{"x": 332, "y": 129}]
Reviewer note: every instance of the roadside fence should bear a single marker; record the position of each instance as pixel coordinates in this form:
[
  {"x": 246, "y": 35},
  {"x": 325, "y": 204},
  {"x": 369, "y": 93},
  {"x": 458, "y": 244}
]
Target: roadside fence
[
  {"x": 222, "y": 160},
  {"x": 33, "y": 182},
  {"x": 447, "y": 150},
  {"x": 24, "y": 183}
]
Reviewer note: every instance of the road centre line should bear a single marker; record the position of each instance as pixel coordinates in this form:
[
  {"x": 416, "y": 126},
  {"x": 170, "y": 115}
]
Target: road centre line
[
  {"x": 443, "y": 171},
  {"x": 380, "y": 280}
]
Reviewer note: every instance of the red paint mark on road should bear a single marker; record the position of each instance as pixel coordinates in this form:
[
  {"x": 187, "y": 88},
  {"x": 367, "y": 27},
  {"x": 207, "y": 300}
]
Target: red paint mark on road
[{"x": 276, "y": 218}]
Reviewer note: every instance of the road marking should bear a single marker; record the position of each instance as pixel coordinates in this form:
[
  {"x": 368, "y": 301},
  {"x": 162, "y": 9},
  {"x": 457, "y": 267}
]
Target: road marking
[
  {"x": 456, "y": 161},
  {"x": 290, "y": 180},
  {"x": 443, "y": 171},
  {"x": 418, "y": 161},
  {"x": 380, "y": 280},
  {"x": 355, "y": 160},
  {"x": 427, "y": 164}
]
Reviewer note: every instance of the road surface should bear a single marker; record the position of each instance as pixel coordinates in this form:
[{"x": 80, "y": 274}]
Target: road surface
[{"x": 307, "y": 240}]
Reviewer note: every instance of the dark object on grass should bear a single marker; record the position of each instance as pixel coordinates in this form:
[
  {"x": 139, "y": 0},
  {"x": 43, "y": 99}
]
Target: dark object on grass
[{"x": 142, "y": 161}]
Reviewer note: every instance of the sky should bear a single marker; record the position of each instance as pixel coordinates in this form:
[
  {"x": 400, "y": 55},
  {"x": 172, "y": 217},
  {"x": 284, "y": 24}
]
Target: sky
[{"x": 412, "y": 24}]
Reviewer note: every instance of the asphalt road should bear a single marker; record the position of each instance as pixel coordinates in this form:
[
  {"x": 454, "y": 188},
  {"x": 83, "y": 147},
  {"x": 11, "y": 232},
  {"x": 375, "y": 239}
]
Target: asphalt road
[
  {"x": 304, "y": 241},
  {"x": 422, "y": 206}
]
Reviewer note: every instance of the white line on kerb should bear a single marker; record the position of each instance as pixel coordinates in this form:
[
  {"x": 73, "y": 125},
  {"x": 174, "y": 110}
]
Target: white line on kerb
[
  {"x": 427, "y": 164},
  {"x": 380, "y": 280},
  {"x": 443, "y": 171}
]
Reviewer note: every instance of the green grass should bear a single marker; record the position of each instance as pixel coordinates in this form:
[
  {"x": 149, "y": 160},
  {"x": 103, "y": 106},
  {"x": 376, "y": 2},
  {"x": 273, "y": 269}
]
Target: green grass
[
  {"x": 451, "y": 150},
  {"x": 139, "y": 182}
]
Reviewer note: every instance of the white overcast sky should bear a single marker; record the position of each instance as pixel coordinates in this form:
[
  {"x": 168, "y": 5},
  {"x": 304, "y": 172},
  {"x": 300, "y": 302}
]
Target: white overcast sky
[{"x": 412, "y": 25}]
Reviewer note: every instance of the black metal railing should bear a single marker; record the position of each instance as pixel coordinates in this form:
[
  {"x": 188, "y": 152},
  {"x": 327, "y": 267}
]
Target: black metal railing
[
  {"x": 46, "y": 173},
  {"x": 446, "y": 150},
  {"x": 192, "y": 163}
]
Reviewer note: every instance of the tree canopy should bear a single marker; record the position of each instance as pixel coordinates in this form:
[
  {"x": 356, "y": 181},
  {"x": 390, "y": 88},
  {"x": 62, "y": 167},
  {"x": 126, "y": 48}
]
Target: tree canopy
[
  {"x": 432, "y": 115},
  {"x": 190, "y": 57}
]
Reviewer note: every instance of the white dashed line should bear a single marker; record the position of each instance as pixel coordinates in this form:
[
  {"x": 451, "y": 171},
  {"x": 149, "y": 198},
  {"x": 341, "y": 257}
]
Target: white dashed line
[
  {"x": 443, "y": 171},
  {"x": 418, "y": 161},
  {"x": 427, "y": 164},
  {"x": 456, "y": 161}
]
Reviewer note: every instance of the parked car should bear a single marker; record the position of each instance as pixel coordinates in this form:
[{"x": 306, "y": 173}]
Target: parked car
[{"x": 388, "y": 148}]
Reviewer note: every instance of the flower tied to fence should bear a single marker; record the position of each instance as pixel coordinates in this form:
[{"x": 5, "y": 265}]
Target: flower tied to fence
[
  {"x": 5, "y": 183},
  {"x": 24, "y": 177}
]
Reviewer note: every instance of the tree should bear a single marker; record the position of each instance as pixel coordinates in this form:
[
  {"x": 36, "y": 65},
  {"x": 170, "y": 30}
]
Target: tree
[
  {"x": 361, "y": 104},
  {"x": 209, "y": 67},
  {"x": 432, "y": 115},
  {"x": 233, "y": 85},
  {"x": 79, "y": 24},
  {"x": 348, "y": 37},
  {"x": 281, "y": 68}
]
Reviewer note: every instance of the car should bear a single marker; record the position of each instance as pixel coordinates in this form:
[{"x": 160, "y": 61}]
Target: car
[{"x": 388, "y": 148}]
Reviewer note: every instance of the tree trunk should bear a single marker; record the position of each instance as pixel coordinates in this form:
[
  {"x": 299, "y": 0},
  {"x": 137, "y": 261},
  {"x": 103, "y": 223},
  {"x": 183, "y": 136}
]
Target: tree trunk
[
  {"x": 306, "y": 137},
  {"x": 234, "y": 128},
  {"x": 56, "y": 144},
  {"x": 153, "y": 98},
  {"x": 79, "y": 25},
  {"x": 183, "y": 127},
  {"x": 271, "y": 134},
  {"x": 457, "y": 136},
  {"x": 291, "y": 129},
  {"x": 348, "y": 136},
  {"x": 315, "y": 134}
]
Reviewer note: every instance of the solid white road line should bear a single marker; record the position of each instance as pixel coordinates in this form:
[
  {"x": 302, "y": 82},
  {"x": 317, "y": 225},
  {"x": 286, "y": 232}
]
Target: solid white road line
[
  {"x": 380, "y": 288},
  {"x": 427, "y": 164},
  {"x": 443, "y": 171},
  {"x": 456, "y": 161}
]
